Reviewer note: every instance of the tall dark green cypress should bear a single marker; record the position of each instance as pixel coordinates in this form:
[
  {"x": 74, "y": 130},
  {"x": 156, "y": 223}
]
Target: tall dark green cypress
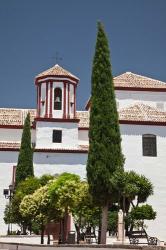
[
  {"x": 105, "y": 154},
  {"x": 25, "y": 159}
]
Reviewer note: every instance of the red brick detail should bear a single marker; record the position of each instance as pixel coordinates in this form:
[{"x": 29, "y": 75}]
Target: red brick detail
[
  {"x": 39, "y": 99},
  {"x": 51, "y": 84},
  {"x": 141, "y": 89},
  {"x": 74, "y": 101},
  {"x": 68, "y": 113},
  {"x": 37, "y": 92},
  {"x": 43, "y": 119},
  {"x": 46, "y": 110},
  {"x": 64, "y": 101},
  {"x": 51, "y": 150},
  {"x": 57, "y": 76}
]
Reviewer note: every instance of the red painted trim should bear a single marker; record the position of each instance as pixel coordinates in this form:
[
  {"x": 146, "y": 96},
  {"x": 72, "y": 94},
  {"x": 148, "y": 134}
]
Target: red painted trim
[
  {"x": 57, "y": 76},
  {"x": 37, "y": 92},
  {"x": 64, "y": 101},
  {"x": 39, "y": 98},
  {"x": 68, "y": 112},
  {"x": 151, "y": 123},
  {"x": 51, "y": 84},
  {"x": 50, "y": 150},
  {"x": 14, "y": 126},
  {"x": 83, "y": 128},
  {"x": 141, "y": 89},
  {"x": 74, "y": 101},
  {"x": 10, "y": 149},
  {"x": 46, "y": 110},
  {"x": 43, "y": 119}
]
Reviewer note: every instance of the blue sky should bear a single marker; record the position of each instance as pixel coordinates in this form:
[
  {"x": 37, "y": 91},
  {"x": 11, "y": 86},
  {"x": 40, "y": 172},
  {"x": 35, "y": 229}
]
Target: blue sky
[{"x": 32, "y": 32}]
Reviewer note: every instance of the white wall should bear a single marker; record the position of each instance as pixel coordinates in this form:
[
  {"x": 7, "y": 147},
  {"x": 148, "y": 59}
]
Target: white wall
[
  {"x": 14, "y": 135},
  {"x": 44, "y": 132},
  {"x": 53, "y": 163},
  {"x": 153, "y": 168},
  {"x": 83, "y": 137},
  {"x": 126, "y": 98},
  {"x": 7, "y": 161}
]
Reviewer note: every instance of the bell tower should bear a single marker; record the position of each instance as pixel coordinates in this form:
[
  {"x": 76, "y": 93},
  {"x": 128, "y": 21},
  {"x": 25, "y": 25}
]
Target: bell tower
[{"x": 56, "y": 93}]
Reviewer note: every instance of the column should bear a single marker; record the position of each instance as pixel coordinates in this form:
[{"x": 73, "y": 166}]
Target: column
[
  {"x": 51, "y": 84},
  {"x": 74, "y": 101},
  {"x": 68, "y": 113},
  {"x": 39, "y": 98},
  {"x": 64, "y": 101},
  {"x": 46, "y": 111}
]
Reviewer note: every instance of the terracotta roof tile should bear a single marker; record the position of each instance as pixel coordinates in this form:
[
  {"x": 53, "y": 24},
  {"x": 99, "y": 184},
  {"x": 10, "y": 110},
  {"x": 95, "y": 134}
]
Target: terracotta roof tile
[
  {"x": 129, "y": 79},
  {"x": 56, "y": 70},
  {"x": 135, "y": 112},
  {"x": 84, "y": 118},
  {"x": 16, "y": 117},
  {"x": 142, "y": 112},
  {"x": 12, "y": 145}
]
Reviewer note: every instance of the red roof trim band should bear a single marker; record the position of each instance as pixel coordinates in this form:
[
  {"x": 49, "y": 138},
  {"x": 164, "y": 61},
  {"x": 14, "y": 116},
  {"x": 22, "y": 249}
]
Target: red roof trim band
[
  {"x": 56, "y": 120},
  {"x": 57, "y": 76},
  {"x": 141, "y": 89}
]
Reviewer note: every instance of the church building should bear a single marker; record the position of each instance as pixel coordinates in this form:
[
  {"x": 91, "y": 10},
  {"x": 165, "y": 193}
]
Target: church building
[{"x": 60, "y": 133}]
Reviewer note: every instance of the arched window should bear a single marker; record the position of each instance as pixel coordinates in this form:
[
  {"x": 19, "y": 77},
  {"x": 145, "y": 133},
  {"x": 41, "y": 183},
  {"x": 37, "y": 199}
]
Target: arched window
[
  {"x": 149, "y": 145},
  {"x": 57, "y": 99}
]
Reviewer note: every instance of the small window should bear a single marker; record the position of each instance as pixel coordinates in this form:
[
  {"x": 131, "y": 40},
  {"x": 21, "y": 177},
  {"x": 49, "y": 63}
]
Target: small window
[
  {"x": 149, "y": 145},
  {"x": 160, "y": 105},
  {"x": 57, "y": 99},
  {"x": 57, "y": 136}
]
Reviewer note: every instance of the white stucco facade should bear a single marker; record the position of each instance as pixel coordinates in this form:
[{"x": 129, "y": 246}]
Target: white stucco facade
[{"x": 140, "y": 112}]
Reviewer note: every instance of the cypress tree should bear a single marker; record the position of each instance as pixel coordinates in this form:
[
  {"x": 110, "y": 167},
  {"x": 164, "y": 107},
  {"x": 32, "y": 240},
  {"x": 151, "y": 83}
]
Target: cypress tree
[
  {"x": 25, "y": 159},
  {"x": 105, "y": 154}
]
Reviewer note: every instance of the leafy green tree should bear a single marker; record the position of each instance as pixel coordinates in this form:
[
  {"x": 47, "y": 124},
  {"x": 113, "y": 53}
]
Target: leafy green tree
[
  {"x": 105, "y": 154},
  {"x": 64, "y": 192},
  {"x": 85, "y": 213},
  {"x": 37, "y": 208},
  {"x": 25, "y": 159},
  {"x": 26, "y": 187},
  {"x": 133, "y": 189}
]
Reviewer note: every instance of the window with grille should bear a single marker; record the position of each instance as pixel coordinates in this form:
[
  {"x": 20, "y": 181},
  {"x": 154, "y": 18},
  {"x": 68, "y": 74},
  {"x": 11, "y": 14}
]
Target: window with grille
[
  {"x": 57, "y": 136},
  {"x": 57, "y": 99},
  {"x": 149, "y": 145}
]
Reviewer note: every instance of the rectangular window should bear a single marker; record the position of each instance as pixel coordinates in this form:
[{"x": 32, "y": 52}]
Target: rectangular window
[
  {"x": 57, "y": 136},
  {"x": 149, "y": 145}
]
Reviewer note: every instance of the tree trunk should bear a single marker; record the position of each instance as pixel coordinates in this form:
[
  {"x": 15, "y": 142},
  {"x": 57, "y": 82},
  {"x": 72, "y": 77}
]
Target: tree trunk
[
  {"x": 42, "y": 234},
  {"x": 104, "y": 223},
  {"x": 48, "y": 238},
  {"x": 77, "y": 227},
  {"x": 24, "y": 229}
]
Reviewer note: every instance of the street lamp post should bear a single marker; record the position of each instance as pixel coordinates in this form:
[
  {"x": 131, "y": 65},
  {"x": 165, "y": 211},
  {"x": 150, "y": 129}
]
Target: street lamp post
[{"x": 8, "y": 193}]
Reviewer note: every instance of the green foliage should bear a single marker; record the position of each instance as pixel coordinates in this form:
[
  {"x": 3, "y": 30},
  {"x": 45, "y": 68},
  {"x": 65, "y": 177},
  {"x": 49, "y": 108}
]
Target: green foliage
[
  {"x": 63, "y": 192},
  {"x": 85, "y": 212},
  {"x": 25, "y": 159},
  {"x": 105, "y": 154},
  {"x": 144, "y": 212},
  {"x": 44, "y": 179},
  {"x": 132, "y": 185},
  {"x": 112, "y": 221},
  {"x": 24, "y": 188},
  {"x": 35, "y": 206}
]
